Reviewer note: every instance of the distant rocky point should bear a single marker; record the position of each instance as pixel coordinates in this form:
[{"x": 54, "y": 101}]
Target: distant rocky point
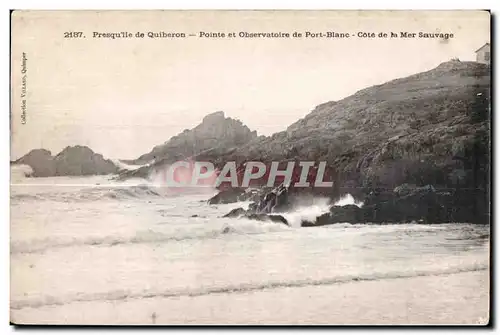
[
  {"x": 215, "y": 131},
  {"x": 215, "y": 135},
  {"x": 72, "y": 161}
]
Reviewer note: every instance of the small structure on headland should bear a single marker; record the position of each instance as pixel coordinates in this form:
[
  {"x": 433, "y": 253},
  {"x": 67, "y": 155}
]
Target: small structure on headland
[{"x": 483, "y": 54}]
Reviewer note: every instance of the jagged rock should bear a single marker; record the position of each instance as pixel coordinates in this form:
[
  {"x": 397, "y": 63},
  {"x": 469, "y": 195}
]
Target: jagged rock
[
  {"x": 72, "y": 161},
  {"x": 234, "y": 213},
  {"x": 421, "y": 204},
  {"x": 267, "y": 217},
  {"x": 337, "y": 214},
  {"x": 261, "y": 211},
  {"x": 226, "y": 196},
  {"x": 252, "y": 214},
  {"x": 241, "y": 213},
  {"x": 236, "y": 194},
  {"x": 322, "y": 220},
  {"x": 430, "y": 128},
  {"x": 215, "y": 131},
  {"x": 404, "y": 189},
  {"x": 348, "y": 213}
]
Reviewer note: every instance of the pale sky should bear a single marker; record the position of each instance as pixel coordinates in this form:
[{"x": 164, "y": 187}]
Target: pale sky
[{"x": 122, "y": 97}]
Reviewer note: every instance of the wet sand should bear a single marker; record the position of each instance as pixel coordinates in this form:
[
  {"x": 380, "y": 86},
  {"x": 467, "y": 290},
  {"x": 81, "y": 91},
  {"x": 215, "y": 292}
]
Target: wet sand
[{"x": 461, "y": 298}]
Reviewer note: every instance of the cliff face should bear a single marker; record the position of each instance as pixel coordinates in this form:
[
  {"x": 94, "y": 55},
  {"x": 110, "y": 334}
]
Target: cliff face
[
  {"x": 428, "y": 128},
  {"x": 214, "y": 132},
  {"x": 431, "y": 128},
  {"x": 72, "y": 161}
]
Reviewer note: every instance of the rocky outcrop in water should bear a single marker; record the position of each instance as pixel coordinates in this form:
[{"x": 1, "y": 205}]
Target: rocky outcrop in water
[
  {"x": 428, "y": 128},
  {"x": 237, "y": 194},
  {"x": 265, "y": 203},
  {"x": 421, "y": 204},
  {"x": 405, "y": 204},
  {"x": 251, "y": 215},
  {"x": 41, "y": 162},
  {"x": 431, "y": 128},
  {"x": 72, "y": 161}
]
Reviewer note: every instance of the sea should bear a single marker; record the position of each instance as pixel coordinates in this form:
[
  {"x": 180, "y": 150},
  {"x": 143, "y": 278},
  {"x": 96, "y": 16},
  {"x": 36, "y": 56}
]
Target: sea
[{"x": 96, "y": 251}]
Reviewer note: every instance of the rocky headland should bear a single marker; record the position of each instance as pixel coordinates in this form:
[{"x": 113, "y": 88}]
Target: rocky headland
[
  {"x": 427, "y": 134},
  {"x": 71, "y": 161}
]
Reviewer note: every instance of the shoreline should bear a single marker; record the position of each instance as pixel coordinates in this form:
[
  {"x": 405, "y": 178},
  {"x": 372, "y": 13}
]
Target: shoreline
[{"x": 461, "y": 298}]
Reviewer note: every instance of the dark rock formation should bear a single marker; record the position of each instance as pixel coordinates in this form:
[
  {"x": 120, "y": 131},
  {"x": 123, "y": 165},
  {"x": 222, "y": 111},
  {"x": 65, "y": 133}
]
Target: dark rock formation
[
  {"x": 226, "y": 196},
  {"x": 261, "y": 210},
  {"x": 72, "y": 161},
  {"x": 267, "y": 217},
  {"x": 237, "y": 194},
  {"x": 241, "y": 213},
  {"x": 421, "y": 204},
  {"x": 431, "y": 128},
  {"x": 428, "y": 128},
  {"x": 41, "y": 162},
  {"x": 234, "y": 213},
  {"x": 265, "y": 203},
  {"x": 348, "y": 213},
  {"x": 215, "y": 133}
]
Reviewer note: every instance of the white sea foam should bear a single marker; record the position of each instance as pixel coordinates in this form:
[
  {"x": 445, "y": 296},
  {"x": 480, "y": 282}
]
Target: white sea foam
[
  {"x": 121, "y": 241},
  {"x": 309, "y": 212},
  {"x": 348, "y": 199},
  {"x": 310, "y": 209},
  {"x": 19, "y": 172}
]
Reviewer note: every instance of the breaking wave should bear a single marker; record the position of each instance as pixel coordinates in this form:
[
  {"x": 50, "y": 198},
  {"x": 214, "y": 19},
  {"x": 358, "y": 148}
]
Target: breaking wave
[
  {"x": 93, "y": 193},
  {"x": 310, "y": 209},
  {"x": 120, "y": 295},
  {"x": 307, "y": 212},
  {"x": 348, "y": 199},
  {"x": 191, "y": 232},
  {"x": 20, "y": 171}
]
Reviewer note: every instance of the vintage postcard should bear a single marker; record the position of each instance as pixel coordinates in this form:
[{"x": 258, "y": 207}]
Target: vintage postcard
[{"x": 250, "y": 167}]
